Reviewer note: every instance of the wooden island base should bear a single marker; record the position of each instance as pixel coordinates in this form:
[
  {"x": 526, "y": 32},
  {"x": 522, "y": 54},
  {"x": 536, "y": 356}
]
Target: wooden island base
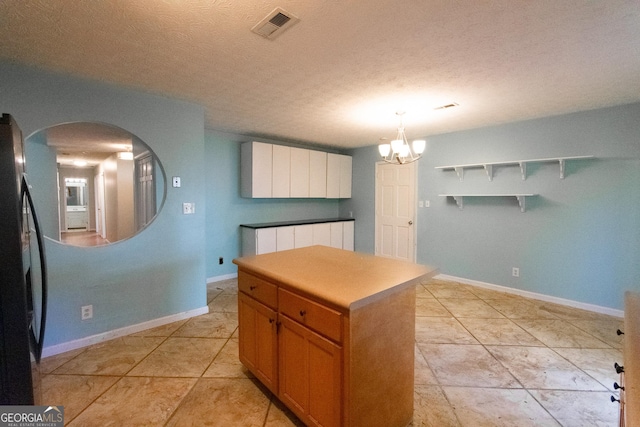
[{"x": 331, "y": 333}]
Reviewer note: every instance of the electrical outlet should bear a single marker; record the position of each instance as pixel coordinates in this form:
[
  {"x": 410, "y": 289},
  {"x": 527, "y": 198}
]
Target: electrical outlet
[
  {"x": 515, "y": 272},
  {"x": 86, "y": 312},
  {"x": 220, "y": 260},
  {"x": 427, "y": 203}
]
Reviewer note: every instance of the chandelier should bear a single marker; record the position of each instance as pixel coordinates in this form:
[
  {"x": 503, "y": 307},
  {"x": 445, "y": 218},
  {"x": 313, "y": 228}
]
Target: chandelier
[{"x": 399, "y": 151}]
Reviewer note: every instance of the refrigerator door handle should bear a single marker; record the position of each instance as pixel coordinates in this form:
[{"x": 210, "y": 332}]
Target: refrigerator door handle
[{"x": 39, "y": 341}]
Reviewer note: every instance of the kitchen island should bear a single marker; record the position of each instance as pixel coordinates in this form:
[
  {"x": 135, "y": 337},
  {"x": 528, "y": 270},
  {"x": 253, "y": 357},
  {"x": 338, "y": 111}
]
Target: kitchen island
[{"x": 331, "y": 333}]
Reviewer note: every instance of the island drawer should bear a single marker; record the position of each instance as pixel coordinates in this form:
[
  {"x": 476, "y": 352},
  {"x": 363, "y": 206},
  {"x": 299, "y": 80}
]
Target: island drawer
[
  {"x": 315, "y": 316},
  {"x": 261, "y": 290}
]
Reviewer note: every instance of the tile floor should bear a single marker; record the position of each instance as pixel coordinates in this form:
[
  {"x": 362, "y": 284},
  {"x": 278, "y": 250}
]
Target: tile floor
[{"x": 483, "y": 358}]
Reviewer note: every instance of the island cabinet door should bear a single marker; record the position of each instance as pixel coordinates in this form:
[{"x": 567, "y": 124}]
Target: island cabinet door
[
  {"x": 258, "y": 340},
  {"x": 310, "y": 374}
]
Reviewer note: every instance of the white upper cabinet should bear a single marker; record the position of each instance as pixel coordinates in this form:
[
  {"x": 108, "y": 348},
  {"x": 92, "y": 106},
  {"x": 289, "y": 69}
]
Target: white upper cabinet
[
  {"x": 299, "y": 172},
  {"x": 281, "y": 171},
  {"x": 256, "y": 169},
  {"x": 339, "y": 170},
  {"x": 317, "y": 174},
  {"x": 270, "y": 170}
]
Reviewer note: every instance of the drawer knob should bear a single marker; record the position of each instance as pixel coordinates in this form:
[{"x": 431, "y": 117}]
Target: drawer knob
[
  {"x": 302, "y": 313},
  {"x": 271, "y": 320},
  {"x": 613, "y": 399},
  {"x": 619, "y": 369},
  {"x": 616, "y": 386},
  {"x": 619, "y": 332},
  {"x": 252, "y": 287}
]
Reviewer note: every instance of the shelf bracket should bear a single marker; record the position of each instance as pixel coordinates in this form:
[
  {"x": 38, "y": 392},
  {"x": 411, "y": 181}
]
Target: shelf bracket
[
  {"x": 460, "y": 172},
  {"x": 521, "y": 202},
  {"x": 561, "y": 161},
  {"x": 489, "y": 170},
  {"x": 523, "y": 170},
  {"x": 459, "y": 201}
]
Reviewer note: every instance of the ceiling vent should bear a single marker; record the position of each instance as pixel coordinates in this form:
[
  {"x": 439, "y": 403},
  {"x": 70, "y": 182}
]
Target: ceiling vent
[
  {"x": 444, "y": 107},
  {"x": 275, "y": 23}
]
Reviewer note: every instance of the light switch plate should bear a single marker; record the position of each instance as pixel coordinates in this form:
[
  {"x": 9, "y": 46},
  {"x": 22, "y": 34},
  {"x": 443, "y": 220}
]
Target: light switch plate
[
  {"x": 176, "y": 181},
  {"x": 188, "y": 208}
]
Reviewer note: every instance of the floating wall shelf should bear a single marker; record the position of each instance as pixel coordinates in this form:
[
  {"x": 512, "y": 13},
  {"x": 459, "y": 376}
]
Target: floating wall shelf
[
  {"x": 459, "y": 198},
  {"x": 488, "y": 167}
]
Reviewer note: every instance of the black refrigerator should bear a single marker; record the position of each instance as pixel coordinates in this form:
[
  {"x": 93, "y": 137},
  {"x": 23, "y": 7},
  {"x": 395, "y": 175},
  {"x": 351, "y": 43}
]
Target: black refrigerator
[{"x": 23, "y": 275}]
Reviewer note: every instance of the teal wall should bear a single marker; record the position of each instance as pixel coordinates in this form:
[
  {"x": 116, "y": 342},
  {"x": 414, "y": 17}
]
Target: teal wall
[
  {"x": 226, "y": 210},
  {"x": 159, "y": 272},
  {"x": 578, "y": 240}
]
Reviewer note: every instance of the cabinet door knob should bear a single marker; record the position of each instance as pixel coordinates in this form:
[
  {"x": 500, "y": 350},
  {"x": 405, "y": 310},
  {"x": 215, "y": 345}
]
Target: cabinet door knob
[
  {"x": 613, "y": 399},
  {"x": 252, "y": 287},
  {"x": 619, "y": 369},
  {"x": 619, "y": 332},
  {"x": 271, "y": 320},
  {"x": 410, "y": 222},
  {"x": 302, "y": 313},
  {"x": 616, "y": 386}
]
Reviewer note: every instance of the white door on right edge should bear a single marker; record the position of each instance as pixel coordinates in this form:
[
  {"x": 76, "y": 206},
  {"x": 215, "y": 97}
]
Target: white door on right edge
[{"x": 395, "y": 209}]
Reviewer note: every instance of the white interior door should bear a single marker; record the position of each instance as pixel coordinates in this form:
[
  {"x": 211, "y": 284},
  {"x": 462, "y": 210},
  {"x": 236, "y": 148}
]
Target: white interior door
[{"x": 395, "y": 211}]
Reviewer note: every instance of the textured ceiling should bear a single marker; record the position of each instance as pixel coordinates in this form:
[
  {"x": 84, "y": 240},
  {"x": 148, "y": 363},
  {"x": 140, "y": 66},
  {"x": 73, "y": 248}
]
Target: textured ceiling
[{"x": 338, "y": 76}]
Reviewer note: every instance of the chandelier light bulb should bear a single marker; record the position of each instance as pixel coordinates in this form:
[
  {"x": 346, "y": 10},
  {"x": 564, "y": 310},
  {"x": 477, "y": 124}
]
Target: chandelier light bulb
[{"x": 399, "y": 151}]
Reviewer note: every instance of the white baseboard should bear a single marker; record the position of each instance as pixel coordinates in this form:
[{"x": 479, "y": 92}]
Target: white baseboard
[
  {"x": 534, "y": 295},
  {"x": 116, "y": 333},
  {"x": 221, "y": 278}
]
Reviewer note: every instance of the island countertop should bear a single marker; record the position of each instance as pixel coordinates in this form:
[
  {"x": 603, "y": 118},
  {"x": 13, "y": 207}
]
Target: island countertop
[{"x": 343, "y": 279}]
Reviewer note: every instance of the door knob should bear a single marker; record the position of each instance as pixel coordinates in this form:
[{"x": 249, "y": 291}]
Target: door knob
[{"x": 410, "y": 222}]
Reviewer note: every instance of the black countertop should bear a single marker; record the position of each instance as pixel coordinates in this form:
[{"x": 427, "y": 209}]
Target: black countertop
[{"x": 298, "y": 222}]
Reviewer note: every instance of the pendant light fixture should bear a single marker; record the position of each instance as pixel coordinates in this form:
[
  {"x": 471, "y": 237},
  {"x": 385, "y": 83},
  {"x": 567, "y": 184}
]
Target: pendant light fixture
[{"x": 399, "y": 151}]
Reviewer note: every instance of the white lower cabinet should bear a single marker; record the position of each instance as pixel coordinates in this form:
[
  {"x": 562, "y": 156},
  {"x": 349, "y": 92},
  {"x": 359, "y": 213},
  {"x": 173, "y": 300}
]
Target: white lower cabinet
[
  {"x": 263, "y": 238},
  {"x": 285, "y": 238},
  {"x": 303, "y": 235}
]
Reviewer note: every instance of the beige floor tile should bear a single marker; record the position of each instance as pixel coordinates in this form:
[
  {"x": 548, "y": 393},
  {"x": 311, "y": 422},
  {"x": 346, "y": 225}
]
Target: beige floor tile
[
  {"x": 224, "y": 303},
  {"x": 223, "y": 402},
  {"x": 450, "y": 290},
  {"x": 485, "y": 293},
  {"x": 51, "y": 363},
  {"x": 115, "y": 357},
  {"x": 579, "y": 409},
  {"x": 461, "y": 307},
  {"x": 542, "y": 368},
  {"x": 161, "y": 331},
  {"x": 603, "y": 329},
  {"x": 497, "y": 407},
  {"x": 74, "y": 392},
  {"x": 136, "y": 402},
  {"x": 423, "y": 374},
  {"x": 430, "y": 307},
  {"x": 499, "y": 332},
  {"x": 431, "y": 408},
  {"x": 598, "y": 363},
  {"x": 466, "y": 365},
  {"x": 559, "y": 333},
  {"x": 227, "y": 364},
  {"x": 212, "y": 325},
  {"x": 279, "y": 416},
  {"x": 520, "y": 308},
  {"x": 442, "y": 330},
  {"x": 568, "y": 313},
  {"x": 179, "y": 357},
  {"x": 422, "y": 292}
]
